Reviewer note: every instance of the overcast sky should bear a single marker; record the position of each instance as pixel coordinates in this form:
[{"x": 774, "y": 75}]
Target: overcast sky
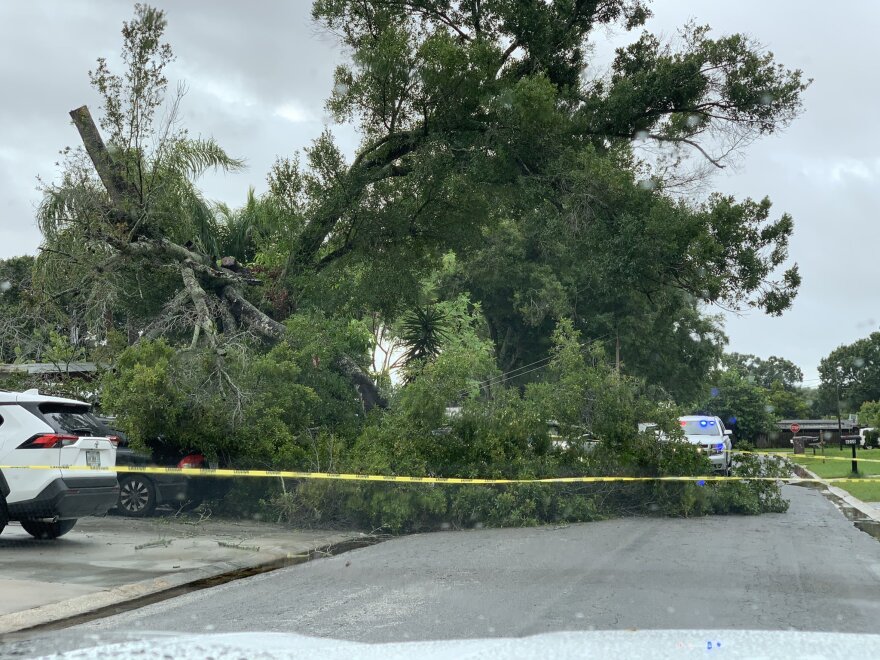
[{"x": 258, "y": 74}]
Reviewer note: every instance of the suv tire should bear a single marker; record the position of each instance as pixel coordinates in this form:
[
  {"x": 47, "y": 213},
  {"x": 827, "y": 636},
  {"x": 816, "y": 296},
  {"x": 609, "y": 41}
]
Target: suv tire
[
  {"x": 137, "y": 496},
  {"x": 4, "y": 513},
  {"x": 41, "y": 529}
]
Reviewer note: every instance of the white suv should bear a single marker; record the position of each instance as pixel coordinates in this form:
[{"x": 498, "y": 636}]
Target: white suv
[
  {"x": 56, "y": 434},
  {"x": 710, "y": 437}
]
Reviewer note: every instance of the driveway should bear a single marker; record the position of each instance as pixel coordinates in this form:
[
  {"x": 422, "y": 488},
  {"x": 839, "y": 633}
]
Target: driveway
[{"x": 108, "y": 561}]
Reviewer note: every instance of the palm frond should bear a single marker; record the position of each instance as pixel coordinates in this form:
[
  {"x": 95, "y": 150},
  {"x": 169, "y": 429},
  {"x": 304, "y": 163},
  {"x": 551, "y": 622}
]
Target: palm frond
[{"x": 194, "y": 157}]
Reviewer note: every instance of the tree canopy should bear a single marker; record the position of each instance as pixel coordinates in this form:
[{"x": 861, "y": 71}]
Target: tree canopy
[
  {"x": 853, "y": 370},
  {"x": 504, "y": 189}
]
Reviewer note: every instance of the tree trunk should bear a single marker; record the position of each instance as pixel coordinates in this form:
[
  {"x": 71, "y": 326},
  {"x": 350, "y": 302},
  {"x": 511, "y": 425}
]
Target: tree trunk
[{"x": 107, "y": 170}]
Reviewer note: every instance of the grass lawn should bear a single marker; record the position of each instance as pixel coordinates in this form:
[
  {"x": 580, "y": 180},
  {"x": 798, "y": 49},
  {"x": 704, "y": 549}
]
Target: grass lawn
[{"x": 868, "y": 491}]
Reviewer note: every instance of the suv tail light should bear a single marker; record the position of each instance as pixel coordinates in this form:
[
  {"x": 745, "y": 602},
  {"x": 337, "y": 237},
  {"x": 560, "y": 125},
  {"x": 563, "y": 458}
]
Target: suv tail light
[
  {"x": 192, "y": 461},
  {"x": 114, "y": 440},
  {"x": 48, "y": 441}
]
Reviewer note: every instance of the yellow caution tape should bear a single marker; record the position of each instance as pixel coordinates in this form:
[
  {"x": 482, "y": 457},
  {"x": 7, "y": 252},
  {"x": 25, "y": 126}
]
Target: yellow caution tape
[
  {"x": 811, "y": 457},
  {"x": 342, "y": 476}
]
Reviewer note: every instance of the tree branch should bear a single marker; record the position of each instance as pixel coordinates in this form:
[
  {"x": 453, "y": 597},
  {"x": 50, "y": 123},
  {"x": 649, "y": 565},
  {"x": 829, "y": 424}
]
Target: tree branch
[
  {"x": 261, "y": 323},
  {"x": 695, "y": 145},
  {"x": 199, "y": 298}
]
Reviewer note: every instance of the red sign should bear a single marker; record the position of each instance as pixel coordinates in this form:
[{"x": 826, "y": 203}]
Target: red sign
[{"x": 795, "y": 428}]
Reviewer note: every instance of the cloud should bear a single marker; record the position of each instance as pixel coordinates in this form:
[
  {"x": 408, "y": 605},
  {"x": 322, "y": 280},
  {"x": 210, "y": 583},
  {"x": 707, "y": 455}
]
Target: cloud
[
  {"x": 841, "y": 171},
  {"x": 293, "y": 112}
]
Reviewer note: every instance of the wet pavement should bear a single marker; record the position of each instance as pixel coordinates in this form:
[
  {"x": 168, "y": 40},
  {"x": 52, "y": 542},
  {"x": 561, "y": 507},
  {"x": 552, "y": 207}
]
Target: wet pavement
[{"x": 106, "y": 561}]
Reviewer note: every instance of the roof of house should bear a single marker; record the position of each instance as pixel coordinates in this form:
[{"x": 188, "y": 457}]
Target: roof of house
[{"x": 36, "y": 368}]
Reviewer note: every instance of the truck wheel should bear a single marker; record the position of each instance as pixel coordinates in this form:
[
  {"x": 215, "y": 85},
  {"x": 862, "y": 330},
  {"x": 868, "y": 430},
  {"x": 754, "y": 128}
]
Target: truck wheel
[
  {"x": 40, "y": 529},
  {"x": 137, "y": 496}
]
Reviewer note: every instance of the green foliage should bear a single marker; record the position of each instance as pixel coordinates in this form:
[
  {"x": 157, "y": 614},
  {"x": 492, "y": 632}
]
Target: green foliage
[
  {"x": 422, "y": 333},
  {"x": 742, "y": 405},
  {"x": 766, "y": 372},
  {"x": 869, "y": 414},
  {"x": 854, "y": 369},
  {"x": 787, "y": 403},
  {"x": 230, "y": 405},
  {"x": 502, "y": 432}
]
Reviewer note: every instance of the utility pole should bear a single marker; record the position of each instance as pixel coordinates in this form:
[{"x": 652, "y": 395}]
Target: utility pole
[{"x": 839, "y": 427}]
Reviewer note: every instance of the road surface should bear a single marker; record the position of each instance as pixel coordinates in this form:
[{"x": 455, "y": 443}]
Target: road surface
[{"x": 808, "y": 569}]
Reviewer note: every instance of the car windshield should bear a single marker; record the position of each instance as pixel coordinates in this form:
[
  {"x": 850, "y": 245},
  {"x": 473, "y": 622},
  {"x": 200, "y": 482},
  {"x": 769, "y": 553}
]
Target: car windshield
[
  {"x": 700, "y": 427},
  {"x": 432, "y": 320}
]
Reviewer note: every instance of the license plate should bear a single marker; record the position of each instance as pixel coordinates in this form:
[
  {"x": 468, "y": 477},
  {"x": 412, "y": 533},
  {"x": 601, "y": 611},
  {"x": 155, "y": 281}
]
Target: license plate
[{"x": 93, "y": 458}]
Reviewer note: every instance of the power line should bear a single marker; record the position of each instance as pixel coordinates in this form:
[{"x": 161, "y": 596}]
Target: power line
[{"x": 513, "y": 372}]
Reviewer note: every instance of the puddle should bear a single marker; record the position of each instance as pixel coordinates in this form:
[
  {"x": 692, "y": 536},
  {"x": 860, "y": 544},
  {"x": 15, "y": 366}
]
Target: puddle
[
  {"x": 857, "y": 518},
  {"x": 871, "y": 527}
]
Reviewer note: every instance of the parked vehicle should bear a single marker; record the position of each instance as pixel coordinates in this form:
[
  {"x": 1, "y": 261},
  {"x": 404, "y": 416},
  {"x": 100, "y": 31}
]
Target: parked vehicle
[
  {"x": 140, "y": 493},
  {"x": 708, "y": 434},
  {"x": 64, "y": 435}
]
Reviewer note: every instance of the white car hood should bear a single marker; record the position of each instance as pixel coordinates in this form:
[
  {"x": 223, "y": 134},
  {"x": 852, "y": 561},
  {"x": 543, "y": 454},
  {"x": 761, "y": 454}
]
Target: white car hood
[
  {"x": 704, "y": 439},
  {"x": 561, "y": 645}
]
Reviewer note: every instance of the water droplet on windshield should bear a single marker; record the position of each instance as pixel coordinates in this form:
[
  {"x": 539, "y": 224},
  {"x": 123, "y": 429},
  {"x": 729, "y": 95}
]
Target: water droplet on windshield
[
  {"x": 491, "y": 629},
  {"x": 693, "y": 121},
  {"x": 858, "y": 363},
  {"x": 5, "y": 285},
  {"x": 766, "y": 98},
  {"x": 714, "y": 392},
  {"x": 579, "y": 615},
  {"x": 340, "y": 89},
  {"x": 445, "y": 526},
  {"x": 209, "y": 627},
  {"x": 769, "y": 408},
  {"x": 478, "y": 525},
  {"x": 647, "y": 184},
  {"x": 670, "y": 609},
  {"x": 641, "y": 136}
]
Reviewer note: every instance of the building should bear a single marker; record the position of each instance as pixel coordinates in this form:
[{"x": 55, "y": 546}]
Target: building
[{"x": 822, "y": 429}]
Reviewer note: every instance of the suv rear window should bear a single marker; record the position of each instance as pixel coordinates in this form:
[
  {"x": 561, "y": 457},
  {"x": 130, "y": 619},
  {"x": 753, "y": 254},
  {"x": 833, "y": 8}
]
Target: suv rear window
[{"x": 74, "y": 420}]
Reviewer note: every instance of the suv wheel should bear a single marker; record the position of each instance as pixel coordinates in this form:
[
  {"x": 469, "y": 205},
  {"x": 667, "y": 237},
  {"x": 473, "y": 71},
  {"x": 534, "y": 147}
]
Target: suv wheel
[
  {"x": 137, "y": 496},
  {"x": 4, "y": 513},
  {"x": 41, "y": 529}
]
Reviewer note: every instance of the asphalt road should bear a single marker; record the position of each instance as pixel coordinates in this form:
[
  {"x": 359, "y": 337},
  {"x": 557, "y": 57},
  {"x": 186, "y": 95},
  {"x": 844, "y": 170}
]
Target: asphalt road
[{"x": 808, "y": 569}]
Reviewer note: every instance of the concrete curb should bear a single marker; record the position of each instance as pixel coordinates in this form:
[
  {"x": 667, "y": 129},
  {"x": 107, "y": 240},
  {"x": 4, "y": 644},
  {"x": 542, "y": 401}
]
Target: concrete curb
[
  {"x": 137, "y": 594},
  {"x": 864, "y": 508}
]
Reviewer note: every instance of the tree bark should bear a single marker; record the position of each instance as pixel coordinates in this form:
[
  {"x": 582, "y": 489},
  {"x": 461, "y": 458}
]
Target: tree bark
[
  {"x": 368, "y": 391},
  {"x": 107, "y": 170},
  {"x": 259, "y": 322},
  {"x": 199, "y": 298}
]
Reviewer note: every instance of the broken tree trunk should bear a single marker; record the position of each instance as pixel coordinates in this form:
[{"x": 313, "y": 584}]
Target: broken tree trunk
[
  {"x": 192, "y": 264},
  {"x": 107, "y": 169}
]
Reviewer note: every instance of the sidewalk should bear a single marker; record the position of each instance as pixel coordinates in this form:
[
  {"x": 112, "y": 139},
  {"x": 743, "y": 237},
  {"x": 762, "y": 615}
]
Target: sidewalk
[{"x": 110, "y": 561}]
